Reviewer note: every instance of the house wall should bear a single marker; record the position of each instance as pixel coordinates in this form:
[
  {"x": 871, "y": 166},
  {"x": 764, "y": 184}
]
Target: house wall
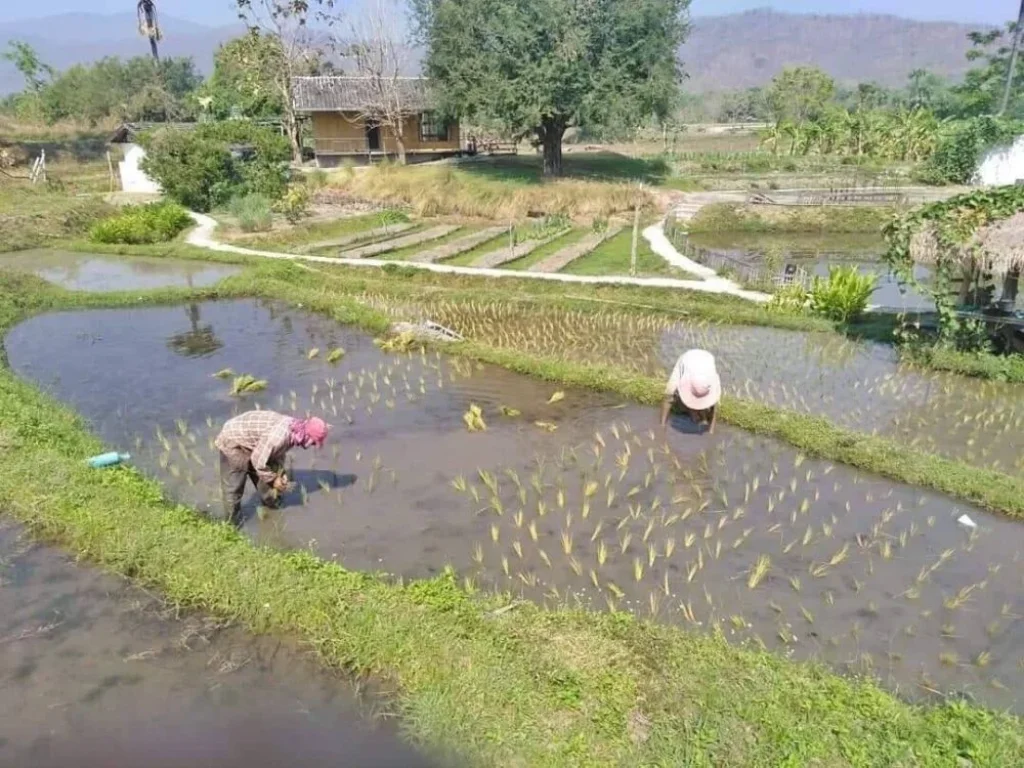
[{"x": 345, "y": 133}]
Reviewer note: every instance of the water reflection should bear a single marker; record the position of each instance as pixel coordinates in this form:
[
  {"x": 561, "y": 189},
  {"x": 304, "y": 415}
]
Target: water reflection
[{"x": 198, "y": 341}]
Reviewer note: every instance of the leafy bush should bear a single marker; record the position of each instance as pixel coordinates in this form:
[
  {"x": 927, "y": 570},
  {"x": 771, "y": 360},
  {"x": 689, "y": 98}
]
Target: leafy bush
[
  {"x": 137, "y": 224},
  {"x": 254, "y": 213},
  {"x": 844, "y": 296},
  {"x": 961, "y": 146},
  {"x": 788, "y": 300},
  {"x": 294, "y": 205},
  {"x": 207, "y": 166}
]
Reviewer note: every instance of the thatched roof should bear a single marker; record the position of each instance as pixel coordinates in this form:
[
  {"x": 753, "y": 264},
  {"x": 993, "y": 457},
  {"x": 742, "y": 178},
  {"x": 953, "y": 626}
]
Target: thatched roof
[
  {"x": 336, "y": 93},
  {"x": 1000, "y": 245}
]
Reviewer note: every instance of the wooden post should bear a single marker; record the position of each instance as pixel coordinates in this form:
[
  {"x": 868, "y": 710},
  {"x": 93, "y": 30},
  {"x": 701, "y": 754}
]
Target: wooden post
[
  {"x": 511, "y": 239},
  {"x": 42, "y": 163},
  {"x": 636, "y": 232}
]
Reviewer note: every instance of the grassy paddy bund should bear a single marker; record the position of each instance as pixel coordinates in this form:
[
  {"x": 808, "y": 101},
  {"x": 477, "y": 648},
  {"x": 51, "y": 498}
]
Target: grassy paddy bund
[{"x": 526, "y": 686}]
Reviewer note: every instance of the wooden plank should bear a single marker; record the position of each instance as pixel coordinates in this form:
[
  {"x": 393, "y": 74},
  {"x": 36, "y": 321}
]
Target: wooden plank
[
  {"x": 503, "y": 255},
  {"x": 559, "y": 260},
  {"x": 460, "y": 245},
  {"x": 396, "y": 243}
]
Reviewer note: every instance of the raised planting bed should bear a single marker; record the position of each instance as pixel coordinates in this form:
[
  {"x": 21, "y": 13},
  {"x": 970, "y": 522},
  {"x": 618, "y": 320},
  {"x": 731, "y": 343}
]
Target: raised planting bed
[
  {"x": 562, "y": 258},
  {"x": 386, "y": 246},
  {"x": 458, "y": 245}
]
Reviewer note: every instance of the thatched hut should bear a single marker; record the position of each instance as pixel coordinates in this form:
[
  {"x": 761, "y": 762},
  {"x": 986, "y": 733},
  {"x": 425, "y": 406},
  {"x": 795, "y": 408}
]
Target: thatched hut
[{"x": 996, "y": 250}]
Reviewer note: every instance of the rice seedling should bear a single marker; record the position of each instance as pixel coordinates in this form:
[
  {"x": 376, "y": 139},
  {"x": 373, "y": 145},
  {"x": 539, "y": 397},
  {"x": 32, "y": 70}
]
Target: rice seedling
[
  {"x": 624, "y": 542},
  {"x": 474, "y": 419},
  {"x": 758, "y": 571},
  {"x": 566, "y": 539},
  {"x": 459, "y": 483},
  {"x": 794, "y": 582},
  {"x": 544, "y": 556},
  {"x": 556, "y": 397},
  {"x": 495, "y": 532},
  {"x": 949, "y": 658},
  {"x": 312, "y": 353},
  {"x": 505, "y": 566},
  {"x": 223, "y": 373},
  {"x": 532, "y": 528},
  {"x": 597, "y": 530},
  {"x": 593, "y": 578},
  {"x": 577, "y": 568},
  {"x": 982, "y": 659},
  {"x": 478, "y": 554},
  {"x": 517, "y": 518},
  {"x": 247, "y": 384},
  {"x": 547, "y": 426},
  {"x": 517, "y": 547}
]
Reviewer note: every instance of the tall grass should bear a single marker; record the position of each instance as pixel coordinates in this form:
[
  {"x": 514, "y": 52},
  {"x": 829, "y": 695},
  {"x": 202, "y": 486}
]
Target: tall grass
[
  {"x": 446, "y": 190},
  {"x": 254, "y": 212}
]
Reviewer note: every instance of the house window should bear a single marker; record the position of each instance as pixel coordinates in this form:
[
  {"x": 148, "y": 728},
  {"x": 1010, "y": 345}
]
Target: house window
[{"x": 432, "y": 128}]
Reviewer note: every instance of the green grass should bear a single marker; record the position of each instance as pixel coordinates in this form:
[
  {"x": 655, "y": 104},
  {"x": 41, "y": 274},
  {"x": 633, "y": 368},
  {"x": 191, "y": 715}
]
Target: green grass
[
  {"x": 1009, "y": 368},
  {"x": 739, "y": 217},
  {"x": 523, "y": 687},
  {"x": 542, "y": 252},
  {"x": 35, "y": 215},
  {"x": 612, "y": 257}
]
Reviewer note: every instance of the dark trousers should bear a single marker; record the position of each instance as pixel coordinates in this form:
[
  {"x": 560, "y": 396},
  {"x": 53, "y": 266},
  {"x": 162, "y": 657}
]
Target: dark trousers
[{"x": 233, "y": 474}]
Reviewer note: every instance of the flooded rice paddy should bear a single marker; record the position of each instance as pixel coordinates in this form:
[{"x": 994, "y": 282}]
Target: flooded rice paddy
[
  {"x": 858, "y": 385},
  {"x": 97, "y": 673},
  {"x": 563, "y": 497},
  {"x": 97, "y": 272}
]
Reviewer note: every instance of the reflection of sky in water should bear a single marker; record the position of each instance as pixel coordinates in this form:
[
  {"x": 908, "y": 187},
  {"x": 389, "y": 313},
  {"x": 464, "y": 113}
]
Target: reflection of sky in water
[
  {"x": 94, "y": 272},
  {"x": 680, "y": 520},
  {"x": 98, "y": 674}
]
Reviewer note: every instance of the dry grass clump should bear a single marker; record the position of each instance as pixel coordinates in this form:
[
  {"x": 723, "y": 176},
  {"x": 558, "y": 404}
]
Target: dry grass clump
[{"x": 449, "y": 191}]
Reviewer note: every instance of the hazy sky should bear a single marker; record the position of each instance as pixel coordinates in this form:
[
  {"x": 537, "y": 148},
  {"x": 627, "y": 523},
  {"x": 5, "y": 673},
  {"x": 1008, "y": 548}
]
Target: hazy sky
[{"x": 219, "y": 11}]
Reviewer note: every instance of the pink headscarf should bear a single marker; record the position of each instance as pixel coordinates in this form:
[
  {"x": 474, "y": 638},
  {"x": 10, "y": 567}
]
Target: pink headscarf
[{"x": 307, "y": 432}]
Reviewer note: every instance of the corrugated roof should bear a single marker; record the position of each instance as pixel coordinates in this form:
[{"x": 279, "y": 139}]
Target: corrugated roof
[{"x": 332, "y": 93}]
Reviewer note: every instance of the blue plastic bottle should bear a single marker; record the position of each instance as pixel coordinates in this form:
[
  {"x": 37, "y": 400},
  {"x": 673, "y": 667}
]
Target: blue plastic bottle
[{"x": 108, "y": 459}]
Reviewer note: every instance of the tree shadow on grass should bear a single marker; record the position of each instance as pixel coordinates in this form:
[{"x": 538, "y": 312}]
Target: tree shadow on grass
[{"x": 596, "y": 166}]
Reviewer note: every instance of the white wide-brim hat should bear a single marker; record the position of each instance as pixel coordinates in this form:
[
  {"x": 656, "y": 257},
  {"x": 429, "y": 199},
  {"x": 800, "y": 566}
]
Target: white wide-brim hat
[{"x": 700, "y": 387}]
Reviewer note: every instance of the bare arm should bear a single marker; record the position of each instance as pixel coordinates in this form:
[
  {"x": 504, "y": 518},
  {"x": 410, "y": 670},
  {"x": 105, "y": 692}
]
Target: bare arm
[
  {"x": 666, "y": 408},
  {"x": 271, "y": 443},
  {"x": 714, "y": 418}
]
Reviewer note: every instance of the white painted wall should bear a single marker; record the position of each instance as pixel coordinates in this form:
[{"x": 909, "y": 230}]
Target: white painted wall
[
  {"x": 133, "y": 178},
  {"x": 1002, "y": 166}
]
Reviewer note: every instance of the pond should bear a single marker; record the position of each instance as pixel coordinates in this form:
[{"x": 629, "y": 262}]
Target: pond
[
  {"x": 97, "y": 272},
  {"x": 566, "y": 497},
  {"x": 98, "y": 673},
  {"x": 815, "y": 254},
  {"x": 858, "y": 385}
]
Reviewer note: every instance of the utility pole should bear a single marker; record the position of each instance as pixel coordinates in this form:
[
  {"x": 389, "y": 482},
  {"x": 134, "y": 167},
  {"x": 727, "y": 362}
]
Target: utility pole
[{"x": 1013, "y": 61}]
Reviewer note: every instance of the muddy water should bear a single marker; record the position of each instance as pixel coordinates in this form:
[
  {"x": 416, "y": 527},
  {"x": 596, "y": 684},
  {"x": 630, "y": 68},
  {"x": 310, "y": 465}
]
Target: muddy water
[
  {"x": 857, "y": 385},
  {"x": 588, "y": 506},
  {"x": 96, "y": 673},
  {"x": 96, "y": 272}
]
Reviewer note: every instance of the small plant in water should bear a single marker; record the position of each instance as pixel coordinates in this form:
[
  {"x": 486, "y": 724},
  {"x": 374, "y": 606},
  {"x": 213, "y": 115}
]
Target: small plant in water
[
  {"x": 335, "y": 355},
  {"x": 224, "y": 373},
  {"x": 246, "y": 384},
  {"x": 474, "y": 419}
]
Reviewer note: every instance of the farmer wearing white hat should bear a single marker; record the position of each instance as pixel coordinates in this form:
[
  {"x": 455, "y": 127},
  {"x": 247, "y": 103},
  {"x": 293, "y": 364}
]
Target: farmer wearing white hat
[{"x": 694, "y": 381}]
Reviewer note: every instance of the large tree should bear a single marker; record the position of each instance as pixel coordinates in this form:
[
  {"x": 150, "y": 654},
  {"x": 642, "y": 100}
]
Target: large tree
[
  {"x": 541, "y": 66},
  {"x": 799, "y": 94},
  {"x": 295, "y": 54}
]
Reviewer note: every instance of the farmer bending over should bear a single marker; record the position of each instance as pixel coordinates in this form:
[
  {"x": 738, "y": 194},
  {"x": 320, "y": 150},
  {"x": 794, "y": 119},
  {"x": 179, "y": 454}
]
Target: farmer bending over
[
  {"x": 695, "y": 384},
  {"x": 253, "y": 445}
]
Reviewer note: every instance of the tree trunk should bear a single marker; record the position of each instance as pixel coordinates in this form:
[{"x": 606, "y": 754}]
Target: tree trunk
[
  {"x": 152, "y": 47},
  {"x": 291, "y": 128},
  {"x": 550, "y": 134},
  {"x": 400, "y": 140}
]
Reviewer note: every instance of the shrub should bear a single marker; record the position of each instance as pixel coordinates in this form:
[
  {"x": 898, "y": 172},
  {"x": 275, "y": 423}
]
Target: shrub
[
  {"x": 138, "y": 224},
  {"x": 789, "y": 300},
  {"x": 294, "y": 205},
  {"x": 844, "y": 295},
  {"x": 207, "y": 166},
  {"x": 254, "y": 212}
]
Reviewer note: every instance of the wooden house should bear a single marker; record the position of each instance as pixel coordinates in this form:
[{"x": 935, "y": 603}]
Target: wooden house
[{"x": 342, "y": 111}]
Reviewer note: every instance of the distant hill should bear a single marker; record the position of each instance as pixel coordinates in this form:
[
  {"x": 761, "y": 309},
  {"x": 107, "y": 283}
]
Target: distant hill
[
  {"x": 745, "y": 50},
  {"x": 74, "y": 38},
  {"x": 723, "y": 52}
]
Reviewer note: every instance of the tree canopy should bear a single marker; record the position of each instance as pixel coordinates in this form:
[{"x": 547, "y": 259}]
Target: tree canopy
[{"x": 541, "y": 66}]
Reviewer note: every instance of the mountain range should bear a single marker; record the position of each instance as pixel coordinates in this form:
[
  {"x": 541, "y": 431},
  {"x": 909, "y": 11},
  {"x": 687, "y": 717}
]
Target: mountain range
[{"x": 723, "y": 52}]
